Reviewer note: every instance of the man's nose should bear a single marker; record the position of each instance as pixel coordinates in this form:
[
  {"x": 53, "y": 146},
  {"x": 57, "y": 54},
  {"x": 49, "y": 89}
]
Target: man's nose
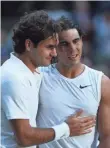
[
  {"x": 54, "y": 53},
  {"x": 72, "y": 48}
]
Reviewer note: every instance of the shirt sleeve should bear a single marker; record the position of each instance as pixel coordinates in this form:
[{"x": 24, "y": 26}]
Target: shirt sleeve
[{"x": 14, "y": 99}]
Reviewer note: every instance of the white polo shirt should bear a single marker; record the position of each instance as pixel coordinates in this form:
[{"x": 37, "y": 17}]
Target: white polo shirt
[{"x": 19, "y": 98}]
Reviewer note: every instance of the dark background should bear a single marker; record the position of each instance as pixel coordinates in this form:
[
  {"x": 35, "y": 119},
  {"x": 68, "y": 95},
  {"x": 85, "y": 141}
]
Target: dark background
[{"x": 93, "y": 17}]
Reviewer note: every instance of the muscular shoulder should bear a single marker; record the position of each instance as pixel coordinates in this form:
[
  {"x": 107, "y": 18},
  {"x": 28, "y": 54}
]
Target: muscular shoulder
[
  {"x": 105, "y": 88},
  {"x": 105, "y": 80}
]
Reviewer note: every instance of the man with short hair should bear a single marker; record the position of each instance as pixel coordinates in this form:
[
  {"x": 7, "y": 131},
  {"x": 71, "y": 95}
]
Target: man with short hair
[
  {"x": 69, "y": 85},
  {"x": 35, "y": 39}
]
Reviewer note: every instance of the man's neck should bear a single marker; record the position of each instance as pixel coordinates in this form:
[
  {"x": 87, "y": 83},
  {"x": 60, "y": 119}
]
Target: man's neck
[
  {"x": 26, "y": 61},
  {"x": 70, "y": 72}
]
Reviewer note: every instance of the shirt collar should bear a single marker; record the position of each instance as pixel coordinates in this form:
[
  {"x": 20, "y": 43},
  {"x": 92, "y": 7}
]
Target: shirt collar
[{"x": 21, "y": 65}]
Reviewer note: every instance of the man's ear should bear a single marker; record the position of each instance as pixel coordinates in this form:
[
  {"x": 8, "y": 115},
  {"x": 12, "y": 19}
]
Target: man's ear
[{"x": 28, "y": 44}]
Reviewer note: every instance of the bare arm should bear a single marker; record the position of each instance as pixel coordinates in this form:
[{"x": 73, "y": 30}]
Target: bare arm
[
  {"x": 104, "y": 114},
  {"x": 28, "y": 136}
]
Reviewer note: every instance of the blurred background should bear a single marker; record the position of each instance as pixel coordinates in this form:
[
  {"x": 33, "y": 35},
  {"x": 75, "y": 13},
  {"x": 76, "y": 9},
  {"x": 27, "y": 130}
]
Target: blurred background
[{"x": 92, "y": 16}]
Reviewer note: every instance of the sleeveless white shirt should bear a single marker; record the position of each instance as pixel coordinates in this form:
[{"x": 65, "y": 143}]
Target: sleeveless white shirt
[{"x": 61, "y": 97}]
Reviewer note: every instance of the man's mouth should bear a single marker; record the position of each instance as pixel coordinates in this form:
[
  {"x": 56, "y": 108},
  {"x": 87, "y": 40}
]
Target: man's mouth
[
  {"x": 49, "y": 58},
  {"x": 73, "y": 56}
]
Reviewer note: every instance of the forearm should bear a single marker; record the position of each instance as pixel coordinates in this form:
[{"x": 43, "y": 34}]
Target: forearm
[
  {"x": 29, "y": 136},
  {"x": 36, "y": 136},
  {"x": 105, "y": 142}
]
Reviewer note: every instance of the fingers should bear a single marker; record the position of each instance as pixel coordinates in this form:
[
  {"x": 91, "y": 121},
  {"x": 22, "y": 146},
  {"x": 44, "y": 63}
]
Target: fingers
[
  {"x": 87, "y": 123},
  {"x": 87, "y": 126},
  {"x": 85, "y": 132},
  {"x": 88, "y": 119},
  {"x": 81, "y": 132},
  {"x": 78, "y": 113},
  {"x": 80, "y": 125}
]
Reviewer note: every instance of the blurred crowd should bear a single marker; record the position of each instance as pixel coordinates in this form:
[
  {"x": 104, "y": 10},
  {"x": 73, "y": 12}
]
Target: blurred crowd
[{"x": 92, "y": 17}]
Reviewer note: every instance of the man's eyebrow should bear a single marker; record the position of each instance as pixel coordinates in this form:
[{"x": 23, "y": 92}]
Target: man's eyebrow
[
  {"x": 63, "y": 41},
  {"x": 51, "y": 45},
  {"x": 78, "y": 38}
]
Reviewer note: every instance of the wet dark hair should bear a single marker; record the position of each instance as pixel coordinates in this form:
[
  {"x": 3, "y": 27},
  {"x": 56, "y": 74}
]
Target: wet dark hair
[
  {"x": 35, "y": 26},
  {"x": 67, "y": 24}
]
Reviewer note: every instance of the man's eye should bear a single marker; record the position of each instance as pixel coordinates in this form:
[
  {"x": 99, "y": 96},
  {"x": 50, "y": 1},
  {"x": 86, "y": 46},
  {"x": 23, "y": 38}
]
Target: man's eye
[
  {"x": 76, "y": 41},
  {"x": 51, "y": 47},
  {"x": 63, "y": 44}
]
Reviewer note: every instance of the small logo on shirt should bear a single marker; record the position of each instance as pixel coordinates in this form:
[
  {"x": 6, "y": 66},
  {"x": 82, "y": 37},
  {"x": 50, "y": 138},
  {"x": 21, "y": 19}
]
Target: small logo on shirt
[{"x": 84, "y": 86}]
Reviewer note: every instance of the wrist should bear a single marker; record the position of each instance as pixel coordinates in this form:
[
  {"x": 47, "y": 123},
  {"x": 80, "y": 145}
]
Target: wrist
[{"x": 61, "y": 131}]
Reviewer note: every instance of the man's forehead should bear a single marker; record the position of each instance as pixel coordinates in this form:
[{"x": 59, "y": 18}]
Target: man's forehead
[
  {"x": 50, "y": 38},
  {"x": 69, "y": 34},
  {"x": 54, "y": 38}
]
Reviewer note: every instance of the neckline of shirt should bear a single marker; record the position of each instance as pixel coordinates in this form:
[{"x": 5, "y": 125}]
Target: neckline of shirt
[
  {"x": 70, "y": 79},
  {"x": 23, "y": 67}
]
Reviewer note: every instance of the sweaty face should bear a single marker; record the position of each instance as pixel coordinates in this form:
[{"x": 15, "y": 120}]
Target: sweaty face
[
  {"x": 69, "y": 48},
  {"x": 45, "y": 50}
]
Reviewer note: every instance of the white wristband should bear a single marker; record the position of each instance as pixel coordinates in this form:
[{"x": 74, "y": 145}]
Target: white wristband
[{"x": 61, "y": 131}]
